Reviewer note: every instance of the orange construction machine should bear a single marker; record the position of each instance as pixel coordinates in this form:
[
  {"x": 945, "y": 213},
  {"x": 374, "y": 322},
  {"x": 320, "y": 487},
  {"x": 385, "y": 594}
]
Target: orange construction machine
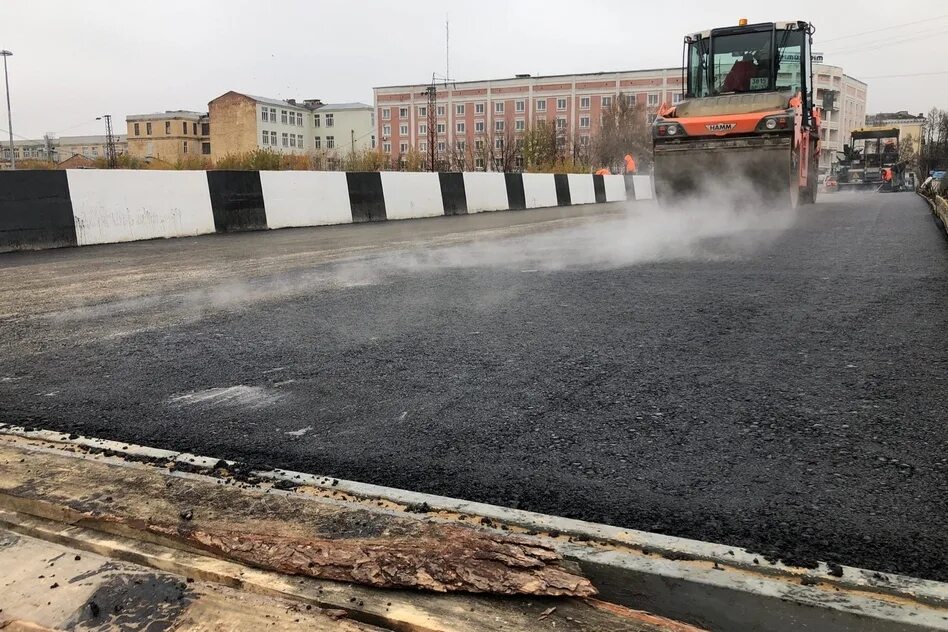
[{"x": 746, "y": 124}]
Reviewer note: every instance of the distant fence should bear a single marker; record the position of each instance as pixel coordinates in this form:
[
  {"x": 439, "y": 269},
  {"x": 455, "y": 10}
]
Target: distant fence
[{"x": 51, "y": 209}]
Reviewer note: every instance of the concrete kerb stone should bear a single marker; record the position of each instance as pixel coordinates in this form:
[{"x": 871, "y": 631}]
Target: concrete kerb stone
[{"x": 644, "y": 567}]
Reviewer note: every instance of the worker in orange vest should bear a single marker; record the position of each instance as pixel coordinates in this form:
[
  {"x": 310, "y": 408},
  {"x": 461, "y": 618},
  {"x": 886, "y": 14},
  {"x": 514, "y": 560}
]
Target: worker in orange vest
[
  {"x": 629, "y": 164},
  {"x": 887, "y": 174},
  {"x": 602, "y": 172}
]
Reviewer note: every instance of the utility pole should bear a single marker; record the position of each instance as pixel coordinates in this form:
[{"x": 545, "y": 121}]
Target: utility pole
[
  {"x": 352, "y": 140},
  {"x": 432, "y": 93},
  {"x": 109, "y": 141},
  {"x": 49, "y": 147},
  {"x": 6, "y": 80}
]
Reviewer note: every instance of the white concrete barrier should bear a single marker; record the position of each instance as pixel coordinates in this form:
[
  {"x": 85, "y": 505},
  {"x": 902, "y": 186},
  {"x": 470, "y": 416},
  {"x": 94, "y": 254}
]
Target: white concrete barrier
[
  {"x": 305, "y": 198},
  {"x": 410, "y": 195},
  {"x": 643, "y": 187},
  {"x": 113, "y": 206},
  {"x": 539, "y": 190},
  {"x": 581, "y": 188},
  {"x": 615, "y": 188},
  {"x": 485, "y": 192}
]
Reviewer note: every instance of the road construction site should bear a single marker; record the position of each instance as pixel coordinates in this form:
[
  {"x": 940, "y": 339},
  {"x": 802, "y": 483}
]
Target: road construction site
[{"x": 772, "y": 382}]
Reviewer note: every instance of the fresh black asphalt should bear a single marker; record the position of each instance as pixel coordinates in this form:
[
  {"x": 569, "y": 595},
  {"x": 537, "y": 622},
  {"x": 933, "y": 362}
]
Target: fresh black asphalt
[{"x": 785, "y": 390}]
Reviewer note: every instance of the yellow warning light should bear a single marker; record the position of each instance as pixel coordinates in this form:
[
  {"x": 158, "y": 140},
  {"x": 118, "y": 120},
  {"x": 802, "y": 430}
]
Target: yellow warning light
[{"x": 742, "y": 22}]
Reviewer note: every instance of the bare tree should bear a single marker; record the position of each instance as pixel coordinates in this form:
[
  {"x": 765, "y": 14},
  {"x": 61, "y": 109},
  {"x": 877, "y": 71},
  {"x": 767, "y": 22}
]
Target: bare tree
[{"x": 624, "y": 130}]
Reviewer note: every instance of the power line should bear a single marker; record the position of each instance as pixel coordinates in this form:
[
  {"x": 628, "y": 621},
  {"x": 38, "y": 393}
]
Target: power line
[
  {"x": 884, "y": 44},
  {"x": 913, "y": 74},
  {"x": 888, "y": 28}
]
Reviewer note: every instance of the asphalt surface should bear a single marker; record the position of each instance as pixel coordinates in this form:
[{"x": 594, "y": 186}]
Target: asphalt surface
[{"x": 772, "y": 381}]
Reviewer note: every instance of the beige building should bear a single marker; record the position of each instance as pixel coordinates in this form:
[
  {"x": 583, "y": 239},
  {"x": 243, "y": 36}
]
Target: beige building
[
  {"x": 62, "y": 148},
  {"x": 243, "y": 122},
  {"x": 909, "y": 126},
  {"x": 843, "y": 101},
  {"x": 168, "y": 136}
]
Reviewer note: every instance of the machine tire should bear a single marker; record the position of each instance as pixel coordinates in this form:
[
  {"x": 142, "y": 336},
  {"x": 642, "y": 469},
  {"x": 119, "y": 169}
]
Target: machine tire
[{"x": 808, "y": 193}]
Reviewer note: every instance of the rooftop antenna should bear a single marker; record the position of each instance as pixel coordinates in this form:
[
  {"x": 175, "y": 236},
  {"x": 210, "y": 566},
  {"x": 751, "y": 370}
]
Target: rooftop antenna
[{"x": 447, "y": 47}]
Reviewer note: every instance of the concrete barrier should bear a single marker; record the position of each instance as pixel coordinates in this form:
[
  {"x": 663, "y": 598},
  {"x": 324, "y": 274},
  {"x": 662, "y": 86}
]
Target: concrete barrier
[
  {"x": 35, "y": 210},
  {"x": 115, "y": 206},
  {"x": 305, "y": 198},
  {"x": 485, "y": 192},
  {"x": 581, "y": 188},
  {"x": 539, "y": 189},
  {"x": 49, "y": 209},
  {"x": 410, "y": 195}
]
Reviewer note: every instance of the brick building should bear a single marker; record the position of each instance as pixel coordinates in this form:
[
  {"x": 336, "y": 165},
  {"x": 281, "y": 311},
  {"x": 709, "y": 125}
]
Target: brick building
[
  {"x": 168, "y": 136},
  {"x": 61, "y": 148},
  {"x": 242, "y": 122},
  {"x": 473, "y": 112}
]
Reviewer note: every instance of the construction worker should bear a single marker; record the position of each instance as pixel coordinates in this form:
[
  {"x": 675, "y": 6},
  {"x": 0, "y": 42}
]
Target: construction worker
[
  {"x": 602, "y": 172},
  {"x": 738, "y": 79},
  {"x": 629, "y": 164}
]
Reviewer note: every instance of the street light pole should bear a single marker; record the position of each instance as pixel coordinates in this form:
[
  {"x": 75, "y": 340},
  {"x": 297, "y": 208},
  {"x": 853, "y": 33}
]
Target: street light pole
[{"x": 6, "y": 80}]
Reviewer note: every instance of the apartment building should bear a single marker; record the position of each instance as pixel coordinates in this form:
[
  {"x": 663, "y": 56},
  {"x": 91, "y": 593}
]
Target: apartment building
[
  {"x": 843, "y": 101},
  {"x": 472, "y": 112},
  {"x": 62, "y": 148},
  {"x": 243, "y": 122},
  {"x": 169, "y": 136},
  {"x": 909, "y": 126}
]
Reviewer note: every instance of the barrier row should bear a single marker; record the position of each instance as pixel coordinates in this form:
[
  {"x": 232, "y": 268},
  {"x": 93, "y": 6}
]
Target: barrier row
[{"x": 50, "y": 209}]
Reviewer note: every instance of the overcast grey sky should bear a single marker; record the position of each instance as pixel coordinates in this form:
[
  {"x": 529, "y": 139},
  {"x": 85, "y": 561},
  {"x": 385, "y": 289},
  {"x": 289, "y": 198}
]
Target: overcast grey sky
[{"x": 74, "y": 60}]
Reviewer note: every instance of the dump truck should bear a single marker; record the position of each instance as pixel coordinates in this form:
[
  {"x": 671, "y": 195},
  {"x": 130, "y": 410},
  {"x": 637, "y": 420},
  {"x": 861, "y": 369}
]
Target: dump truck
[
  {"x": 746, "y": 125},
  {"x": 871, "y": 162}
]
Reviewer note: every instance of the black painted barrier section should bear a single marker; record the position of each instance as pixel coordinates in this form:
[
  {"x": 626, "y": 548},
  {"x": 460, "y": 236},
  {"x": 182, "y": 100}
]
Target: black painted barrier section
[
  {"x": 453, "y": 195},
  {"x": 516, "y": 198},
  {"x": 237, "y": 201},
  {"x": 365, "y": 196},
  {"x": 35, "y": 210},
  {"x": 562, "y": 189},
  {"x": 599, "y": 185}
]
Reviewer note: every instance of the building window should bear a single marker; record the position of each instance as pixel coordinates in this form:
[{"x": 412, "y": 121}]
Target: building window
[
  {"x": 316, "y": 120},
  {"x": 499, "y": 144},
  {"x": 292, "y": 120},
  {"x": 205, "y": 129},
  {"x": 330, "y": 142},
  {"x": 479, "y": 127},
  {"x": 194, "y": 129},
  {"x": 387, "y": 148},
  {"x": 478, "y": 108},
  {"x": 206, "y": 149},
  {"x": 584, "y": 140},
  {"x": 265, "y": 115},
  {"x": 422, "y": 128},
  {"x": 460, "y": 128},
  {"x": 499, "y": 126},
  {"x": 386, "y": 130},
  {"x": 442, "y": 128},
  {"x": 607, "y": 102},
  {"x": 403, "y": 129},
  {"x": 329, "y": 120},
  {"x": 266, "y": 137},
  {"x": 386, "y": 113},
  {"x": 403, "y": 148},
  {"x": 403, "y": 112},
  {"x": 167, "y": 128},
  {"x": 560, "y": 123},
  {"x": 440, "y": 110},
  {"x": 653, "y": 99},
  {"x": 317, "y": 143},
  {"x": 184, "y": 128},
  {"x": 630, "y": 99},
  {"x": 541, "y": 105},
  {"x": 519, "y": 125},
  {"x": 584, "y": 103},
  {"x": 286, "y": 139},
  {"x": 283, "y": 116},
  {"x": 423, "y": 147},
  {"x": 299, "y": 119},
  {"x": 499, "y": 107},
  {"x": 299, "y": 142},
  {"x": 293, "y": 140},
  {"x": 137, "y": 130},
  {"x": 461, "y": 145},
  {"x": 273, "y": 138},
  {"x": 561, "y": 105},
  {"x": 479, "y": 144},
  {"x": 273, "y": 115},
  {"x": 676, "y": 98},
  {"x": 441, "y": 146},
  {"x": 373, "y": 141},
  {"x": 479, "y": 163},
  {"x": 520, "y": 105},
  {"x": 584, "y": 121},
  {"x": 185, "y": 149},
  {"x": 459, "y": 109},
  {"x": 422, "y": 110}
]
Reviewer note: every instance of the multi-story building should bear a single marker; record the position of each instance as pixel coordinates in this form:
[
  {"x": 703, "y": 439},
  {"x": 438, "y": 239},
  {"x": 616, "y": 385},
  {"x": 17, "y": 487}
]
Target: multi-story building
[
  {"x": 911, "y": 128},
  {"x": 469, "y": 113},
  {"x": 843, "y": 102},
  {"x": 62, "y": 148},
  {"x": 169, "y": 136},
  {"x": 243, "y": 122}
]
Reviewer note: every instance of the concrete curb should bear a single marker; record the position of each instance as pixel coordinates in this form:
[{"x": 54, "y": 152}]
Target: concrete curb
[{"x": 711, "y": 585}]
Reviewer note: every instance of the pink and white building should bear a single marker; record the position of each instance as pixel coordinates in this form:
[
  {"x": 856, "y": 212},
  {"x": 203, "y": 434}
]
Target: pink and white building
[{"x": 470, "y": 112}]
